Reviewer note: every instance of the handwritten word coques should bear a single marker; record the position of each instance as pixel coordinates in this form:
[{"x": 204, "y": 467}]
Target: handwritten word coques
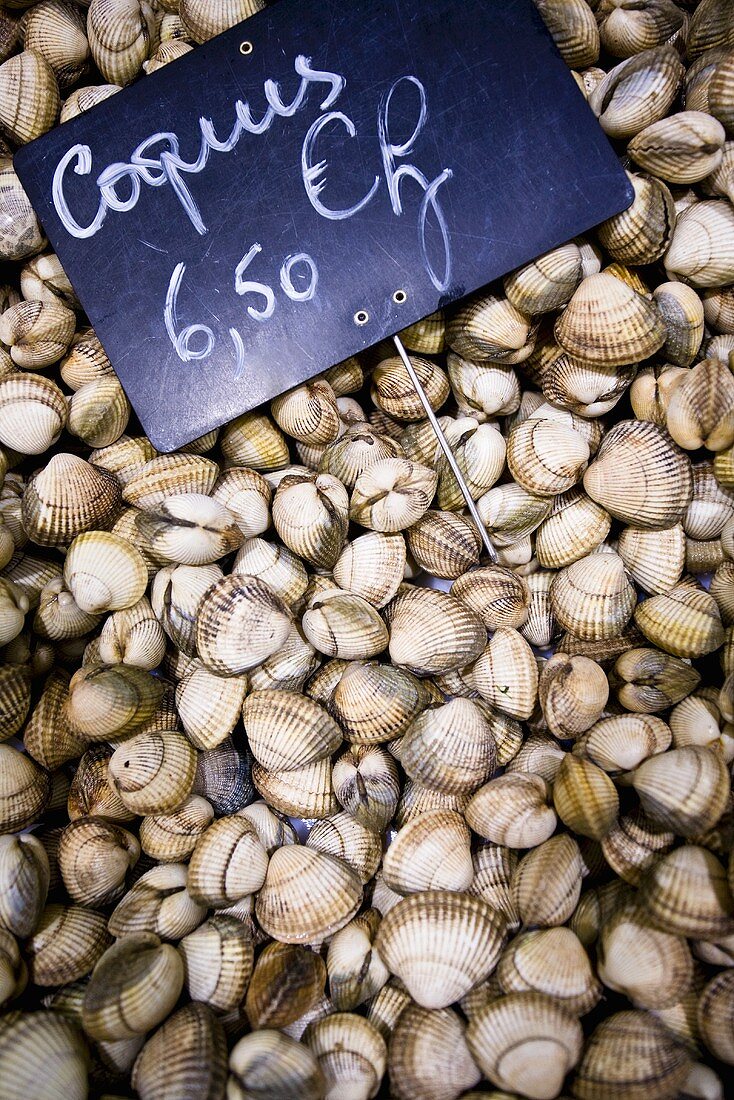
[{"x": 157, "y": 162}]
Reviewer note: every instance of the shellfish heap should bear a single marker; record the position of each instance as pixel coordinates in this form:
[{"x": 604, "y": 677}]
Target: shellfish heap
[{"x": 198, "y": 647}]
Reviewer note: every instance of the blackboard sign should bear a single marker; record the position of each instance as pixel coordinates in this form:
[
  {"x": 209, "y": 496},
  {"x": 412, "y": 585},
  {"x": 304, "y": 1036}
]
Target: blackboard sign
[{"x": 309, "y": 182}]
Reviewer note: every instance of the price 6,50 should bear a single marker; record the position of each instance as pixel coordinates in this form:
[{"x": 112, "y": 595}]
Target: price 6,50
[{"x": 197, "y": 341}]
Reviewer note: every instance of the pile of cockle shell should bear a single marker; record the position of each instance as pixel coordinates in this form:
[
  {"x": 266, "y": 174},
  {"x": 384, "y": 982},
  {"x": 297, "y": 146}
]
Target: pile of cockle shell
[{"x": 511, "y": 868}]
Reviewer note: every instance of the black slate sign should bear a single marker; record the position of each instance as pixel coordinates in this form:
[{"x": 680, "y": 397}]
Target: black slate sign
[{"x": 309, "y": 182}]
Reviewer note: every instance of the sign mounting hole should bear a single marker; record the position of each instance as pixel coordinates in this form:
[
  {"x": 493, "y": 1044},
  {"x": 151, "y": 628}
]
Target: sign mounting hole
[
  {"x": 361, "y": 317},
  {"x": 399, "y": 297},
  {"x": 246, "y": 48}
]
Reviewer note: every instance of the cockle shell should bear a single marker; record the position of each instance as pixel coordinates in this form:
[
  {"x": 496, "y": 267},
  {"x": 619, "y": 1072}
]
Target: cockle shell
[
  {"x": 25, "y": 789},
  {"x": 372, "y": 566},
  {"x": 640, "y": 476},
  {"x": 120, "y": 35},
  {"x": 624, "y": 31},
  {"x": 66, "y": 497},
  {"x": 642, "y": 233},
  {"x": 203, "y": 19},
  {"x": 269, "y": 1062},
  {"x": 682, "y": 148},
  {"x": 392, "y": 493},
  {"x": 431, "y": 852},
  {"x": 701, "y": 409},
  {"x": 65, "y": 1058},
  {"x": 512, "y": 810},
  {"x": 33, "y": 412},
  {"x": 631, "y": 1054},
  {"x": 307, "y": 895},
  {"x": 638, "y": 91},
  {"x": 684, "y": 621},
  {"x": 424, "y": 940},
  {"x": 29, "y": 97},
  {"x": 288, "y": 730},
  {"x": 701, "y": 252},
  {"x": 20, "y": 232},
  {"x": 94, "y": 856},
  {"x": 394, "y": 393},
  {"x": 608, "y": 322},
  {"x": 133, "y": 987},
  {"x": 449, "y": 748},
  {"x": 427, "y": 1052},
  {"x": 228, "y": 862},
  {"x": 506, "y": 674},
  {"x": 593, "y": 598},
  {"x": 574, "y": 32},
  {"x": 526, "y": 1042},
  {"x": 490, "y": 328},
  {"x": 188, "y": 1052},
  {"x": 56, "y": 31},
  {"x": 240, "y": 621},
  {"x": 432, "y": 632},
  {"x": 286, "y": 982}
]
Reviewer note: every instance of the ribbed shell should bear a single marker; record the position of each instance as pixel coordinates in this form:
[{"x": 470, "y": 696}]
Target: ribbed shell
[
  {"x": 440, "y": 944},
  {"x": 702, "y": 249},
  {"x": 158, "y": 902},
  {"x": 105, "y": 701},
  {"x": 153, "y": 772},
  {"x": 94, "y": 857},
  {"x": 33, "y": 412},
  {"x": 638, "y": 91},
  {"x": 24, "y": 882},
  {"x": 43, "y": 1055},
  {"x": 621, "y": 742},
  {"x": 551, "y": 961},
  {"x": 307, "y": 895},
  {"x": 642, "y": 233},
  {"x": 631, "y": 1055},
  {"x": 428, "y": 1056},
  {"x": 133, "y": 988},
  {"x": 575, "y": 527},
  {"x": 372, "y": 566},
  {"x": 701, "y": 409},
  {"x": 574, "y": 31},
  {"x": 497, "y": 594},
  {"x": 655, "y": 559},
  {"x": 343, "y": 836},
  {"x": 188, "y": 1054},
  {"x": 633, "y": 845},
  {"x": 487, "y": 327},
  {"x": 548, "y": 282},
  {"x": 585, "y": 798},
  {"x": 269, "y": 1063},
  {"x": 432, "y": 632},
  {"x": 376, "y": 702},
  {"x": 29, "y": 97},
  {"x": 547, "y": 882},
  {"x": 450, "y": 748},
  {"x": 684, "y": 621},
  {"x": 608, "y": 322},
  {"x": 239, "y": 623},
  {"x": 209, "y": 705},
  {"x": 25, "y": 789},
  {"x": 685, "y": 789},
  {"x": 394, "y": 393},
  {"x": 572, "y": 691},
  {"x": 172, "y": 837},
  {"x": 120, "y": 37},
  {"x": 228, "y": 862},
  {"x": 287, "y": 981},
  {"x": 686, "y": 893},
  {"x": 545, "y": 456},
  {"x": 203, "y": 19},
  {"x": 305, "y": 792},
  {"x": 66, "y": 944},
  {"x": 351, "y": 1053},
  {"x": 218, "y": 959},
  {"x": 682, "y": 310},
  {"x": 431, "y": 852},
  {"x": 653, "y": 968},
  {"x": 288, "y": 730},
  {"x": 640, "y": 476},
  {"x": 512, "y": 810},
  {"x": 104, "y": 572},
  {"x": 342, "y": 624},
  {"x": 526, "y": 1043},
  {"x": 506, "y": 674}
]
